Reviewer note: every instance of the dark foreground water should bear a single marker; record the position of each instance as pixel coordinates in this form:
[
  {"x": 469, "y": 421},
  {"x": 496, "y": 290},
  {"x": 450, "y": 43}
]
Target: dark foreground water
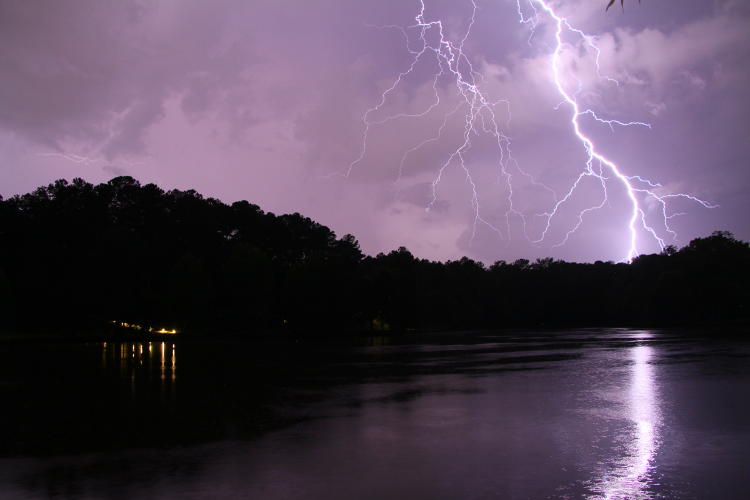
[{"x": 578, "y": 414}]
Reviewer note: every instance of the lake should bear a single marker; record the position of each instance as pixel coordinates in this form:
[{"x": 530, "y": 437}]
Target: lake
[{"x": 592, "y": 413}]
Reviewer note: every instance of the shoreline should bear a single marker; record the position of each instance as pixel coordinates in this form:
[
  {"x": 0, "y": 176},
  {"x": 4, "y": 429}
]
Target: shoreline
[{"x": 739, "y": 330}]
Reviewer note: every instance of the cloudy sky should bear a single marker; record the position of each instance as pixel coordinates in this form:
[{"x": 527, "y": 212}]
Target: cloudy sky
[{"x": 265, "y": 100}]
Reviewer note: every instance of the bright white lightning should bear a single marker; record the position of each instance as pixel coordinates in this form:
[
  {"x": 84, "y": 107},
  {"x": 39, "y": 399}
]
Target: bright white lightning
[
  {"x": 479, "y": 111},
  {"x": 480, "y": 116},
  {"x": 628, "y": 182}
]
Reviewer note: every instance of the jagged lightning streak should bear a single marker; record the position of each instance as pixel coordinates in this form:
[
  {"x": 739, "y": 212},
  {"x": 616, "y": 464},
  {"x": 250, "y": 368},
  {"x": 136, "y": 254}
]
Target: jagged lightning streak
[
  {"x": 88, "y": 160},
  {"x": 115, "y": 166},
  {"x": 479, "y": 111},
  {"x": 480, "y": 116},
  {"x": 95, "y": 155},
  {"x": 628, "y": 182}
]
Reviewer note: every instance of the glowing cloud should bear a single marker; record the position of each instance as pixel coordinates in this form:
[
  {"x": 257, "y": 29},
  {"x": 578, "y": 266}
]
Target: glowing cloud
[{"x": 428, "y": 42}]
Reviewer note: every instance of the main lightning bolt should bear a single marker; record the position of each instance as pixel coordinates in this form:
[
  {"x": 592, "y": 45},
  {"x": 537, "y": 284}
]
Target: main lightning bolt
[
  {"x": 480, "y": 115},
  {"x": 632, "y": 184}
]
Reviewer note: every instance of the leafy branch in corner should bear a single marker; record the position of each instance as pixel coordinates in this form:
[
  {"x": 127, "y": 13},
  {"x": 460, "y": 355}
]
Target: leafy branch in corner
[{"x": 622, "y": 3}]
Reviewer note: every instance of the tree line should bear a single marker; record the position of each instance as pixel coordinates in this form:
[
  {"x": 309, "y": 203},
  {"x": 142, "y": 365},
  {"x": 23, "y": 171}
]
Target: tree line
[{"x": 75, "y": 256}]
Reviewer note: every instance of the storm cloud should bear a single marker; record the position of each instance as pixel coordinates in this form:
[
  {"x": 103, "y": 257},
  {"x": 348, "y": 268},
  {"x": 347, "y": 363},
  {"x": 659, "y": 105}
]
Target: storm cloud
[{"x": 263, "y": 100}]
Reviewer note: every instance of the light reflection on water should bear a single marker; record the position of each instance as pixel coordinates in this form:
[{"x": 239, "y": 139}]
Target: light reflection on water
[
  {"x": 139, "y": 361},
  {"x": 629, "y": 476},
  {"x": 605, "y": 415}
]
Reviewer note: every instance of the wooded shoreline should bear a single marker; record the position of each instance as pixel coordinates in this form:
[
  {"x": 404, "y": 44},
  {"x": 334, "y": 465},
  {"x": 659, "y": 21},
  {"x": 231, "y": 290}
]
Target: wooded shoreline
[{"x": 74, "y": 257}]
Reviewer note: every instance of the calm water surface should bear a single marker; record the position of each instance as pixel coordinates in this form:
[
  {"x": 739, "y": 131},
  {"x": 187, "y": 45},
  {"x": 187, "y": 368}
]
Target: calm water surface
[{"x": 636, "y": 414}]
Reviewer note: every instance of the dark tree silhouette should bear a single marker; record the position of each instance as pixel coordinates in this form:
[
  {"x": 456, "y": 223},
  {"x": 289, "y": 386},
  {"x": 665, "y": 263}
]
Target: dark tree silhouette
[{"x": 74, "y": 256}]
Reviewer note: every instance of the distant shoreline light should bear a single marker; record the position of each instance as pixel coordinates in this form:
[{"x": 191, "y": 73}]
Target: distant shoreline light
[{"x": 135, "y": 326}]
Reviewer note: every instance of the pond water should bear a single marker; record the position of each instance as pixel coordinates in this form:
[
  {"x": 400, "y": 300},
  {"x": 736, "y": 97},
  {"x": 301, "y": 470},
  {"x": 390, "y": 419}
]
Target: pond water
[{"x": 610, "y": 413}]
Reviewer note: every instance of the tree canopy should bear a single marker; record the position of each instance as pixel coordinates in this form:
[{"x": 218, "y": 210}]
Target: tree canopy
[{"x": 74, "y": 256}]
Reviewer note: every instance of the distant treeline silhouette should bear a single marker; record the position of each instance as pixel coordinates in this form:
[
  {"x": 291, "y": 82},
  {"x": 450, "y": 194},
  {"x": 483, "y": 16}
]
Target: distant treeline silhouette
[{"x": 75, "y": 256}]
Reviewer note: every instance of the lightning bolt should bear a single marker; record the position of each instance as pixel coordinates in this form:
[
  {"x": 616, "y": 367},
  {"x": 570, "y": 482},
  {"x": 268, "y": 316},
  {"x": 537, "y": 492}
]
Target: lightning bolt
[
  {"x": 90, "y": 161},
  {"x": 95, "y": 152},
  {"x": 426, "y": 41},
  {"x": 632, "y": 184}
]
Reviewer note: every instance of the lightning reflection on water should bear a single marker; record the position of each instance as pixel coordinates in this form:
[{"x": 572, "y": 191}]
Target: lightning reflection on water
[{"x": 629, "y": 476}]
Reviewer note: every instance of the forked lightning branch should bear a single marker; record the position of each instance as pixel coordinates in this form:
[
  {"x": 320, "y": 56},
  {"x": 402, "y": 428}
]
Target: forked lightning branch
[{"x": 427, "y": 38}]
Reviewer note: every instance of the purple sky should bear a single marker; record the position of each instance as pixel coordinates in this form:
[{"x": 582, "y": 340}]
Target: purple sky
[{"x": 263, "y": 100}]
